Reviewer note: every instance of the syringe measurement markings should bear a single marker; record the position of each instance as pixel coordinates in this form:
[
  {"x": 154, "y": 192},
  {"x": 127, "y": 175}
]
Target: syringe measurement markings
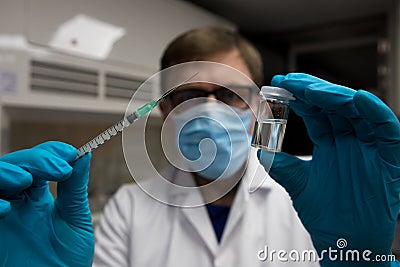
[
  {"x": 107, "y": 136},
  {"x": 101, "y": 138}
]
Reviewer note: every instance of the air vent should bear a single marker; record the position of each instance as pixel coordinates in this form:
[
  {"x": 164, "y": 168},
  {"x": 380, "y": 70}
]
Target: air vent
[
  {"x": 123, "y": 86},
  {"x": 63, "y": 78}
]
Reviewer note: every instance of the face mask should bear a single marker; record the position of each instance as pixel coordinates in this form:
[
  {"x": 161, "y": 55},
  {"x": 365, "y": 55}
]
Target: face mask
[{"x": 214, "y": 138}]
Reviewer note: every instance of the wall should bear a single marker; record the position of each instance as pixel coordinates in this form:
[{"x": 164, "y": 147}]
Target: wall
[
  {"x": 149, "y": 25},
  {"x": 30, "y": 118}
]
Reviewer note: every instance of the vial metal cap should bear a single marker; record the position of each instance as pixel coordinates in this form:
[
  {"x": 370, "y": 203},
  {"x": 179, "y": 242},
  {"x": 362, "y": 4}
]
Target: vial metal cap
[{"x": 276, "y": 92}]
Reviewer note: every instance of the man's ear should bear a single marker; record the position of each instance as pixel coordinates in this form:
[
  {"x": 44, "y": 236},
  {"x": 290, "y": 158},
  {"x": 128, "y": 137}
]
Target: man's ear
[{"x": 164, "y": 109}]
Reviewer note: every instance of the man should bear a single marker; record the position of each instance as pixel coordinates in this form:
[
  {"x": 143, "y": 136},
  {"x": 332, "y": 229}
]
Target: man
[
  {"x": 137, "y": 230},
  {"x": 348, "y": 192}
]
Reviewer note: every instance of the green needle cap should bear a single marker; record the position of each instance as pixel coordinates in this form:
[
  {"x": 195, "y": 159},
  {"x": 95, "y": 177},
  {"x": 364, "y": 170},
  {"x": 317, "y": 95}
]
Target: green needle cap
[{"x": 146, "y": 108}]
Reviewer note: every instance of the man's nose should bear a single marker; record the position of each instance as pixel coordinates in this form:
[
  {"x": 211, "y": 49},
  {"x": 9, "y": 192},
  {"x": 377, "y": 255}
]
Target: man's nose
[{"x": 211, "y": 98}]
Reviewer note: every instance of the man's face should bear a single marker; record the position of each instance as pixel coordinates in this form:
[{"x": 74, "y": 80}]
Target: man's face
[{"x": 213, "y": 89}]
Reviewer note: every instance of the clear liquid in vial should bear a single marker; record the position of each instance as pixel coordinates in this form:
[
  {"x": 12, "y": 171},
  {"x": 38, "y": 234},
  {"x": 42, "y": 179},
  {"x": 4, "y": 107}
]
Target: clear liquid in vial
[{"x": 269, "y": 134}]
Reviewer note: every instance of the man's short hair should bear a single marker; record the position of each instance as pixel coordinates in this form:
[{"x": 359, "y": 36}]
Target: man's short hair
[{"x": 198, "y": 44}]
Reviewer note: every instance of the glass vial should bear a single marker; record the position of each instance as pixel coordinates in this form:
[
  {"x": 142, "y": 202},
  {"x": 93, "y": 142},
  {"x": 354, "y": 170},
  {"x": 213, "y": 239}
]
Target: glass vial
[{"x": 272, "y": 115}]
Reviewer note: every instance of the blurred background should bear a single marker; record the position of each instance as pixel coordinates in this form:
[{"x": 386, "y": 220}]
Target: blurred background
[{"x": 68, "y": 69}]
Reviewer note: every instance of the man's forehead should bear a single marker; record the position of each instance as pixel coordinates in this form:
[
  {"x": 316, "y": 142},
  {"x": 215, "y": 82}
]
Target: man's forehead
[{"x": 221, "y": 75}]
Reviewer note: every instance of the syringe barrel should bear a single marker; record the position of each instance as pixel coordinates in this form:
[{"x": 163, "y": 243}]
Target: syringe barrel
[
  {"x": 132, "y": 117},
  {"x": 102, "y": 138},
  {"x": 107, "y": 134}
]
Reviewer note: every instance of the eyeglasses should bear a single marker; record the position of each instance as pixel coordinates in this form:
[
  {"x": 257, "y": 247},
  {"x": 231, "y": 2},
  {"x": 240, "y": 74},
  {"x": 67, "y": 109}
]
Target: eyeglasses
[{"x": 236, "y": 96}]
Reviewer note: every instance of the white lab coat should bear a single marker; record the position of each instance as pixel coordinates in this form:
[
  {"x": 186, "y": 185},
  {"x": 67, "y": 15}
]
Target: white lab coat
[{"x": 137, "y": 230}]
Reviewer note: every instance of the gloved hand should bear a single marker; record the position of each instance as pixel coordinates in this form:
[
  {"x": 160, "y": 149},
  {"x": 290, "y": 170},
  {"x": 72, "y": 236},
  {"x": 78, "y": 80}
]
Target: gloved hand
[
  {"x": 35, "y": 230},
  {"x": 348, "y": 195}
]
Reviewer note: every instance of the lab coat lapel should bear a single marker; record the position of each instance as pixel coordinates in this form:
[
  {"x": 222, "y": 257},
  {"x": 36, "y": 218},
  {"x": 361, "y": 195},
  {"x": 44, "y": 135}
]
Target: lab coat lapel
[
  {"x": 199, "y": 219},
  {"x": 236, "y": 212},
  {"x": 197, "y": 216},
  {"x": 248, "y": 184}
]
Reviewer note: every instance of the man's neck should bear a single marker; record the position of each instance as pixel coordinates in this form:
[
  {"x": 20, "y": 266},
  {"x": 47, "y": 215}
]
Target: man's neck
[
  {"x": 220, "y": 188},
  {"x": 226, "y": 200}
]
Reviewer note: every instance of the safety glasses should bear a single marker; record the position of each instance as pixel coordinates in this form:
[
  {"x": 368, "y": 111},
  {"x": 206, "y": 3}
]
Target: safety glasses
[{"x": 238, "y": 96}]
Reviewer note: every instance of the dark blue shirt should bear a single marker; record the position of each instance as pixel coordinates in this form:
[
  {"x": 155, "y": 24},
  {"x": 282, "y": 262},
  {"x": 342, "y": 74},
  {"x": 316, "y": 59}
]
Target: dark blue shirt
[{"x": 218, "y": 215}]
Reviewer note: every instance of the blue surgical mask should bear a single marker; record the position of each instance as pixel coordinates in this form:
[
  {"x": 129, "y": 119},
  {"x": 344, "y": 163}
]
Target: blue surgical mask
[{"x": 214, "y": 138}]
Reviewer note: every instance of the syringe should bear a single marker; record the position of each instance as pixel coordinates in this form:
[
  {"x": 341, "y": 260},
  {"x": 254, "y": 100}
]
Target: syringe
[
  {"x": 122, "y": 124},
  {"x": 115, "y": 129}
]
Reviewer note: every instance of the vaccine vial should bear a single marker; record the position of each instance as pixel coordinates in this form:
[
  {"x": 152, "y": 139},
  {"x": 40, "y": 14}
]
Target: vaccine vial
[{"x": 272, "y": 115}]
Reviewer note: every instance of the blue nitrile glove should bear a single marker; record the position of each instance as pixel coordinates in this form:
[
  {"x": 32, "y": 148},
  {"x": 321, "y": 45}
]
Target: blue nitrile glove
[
  {"x": 35, "y": 230},
  {"x": 348, "y": 195}
]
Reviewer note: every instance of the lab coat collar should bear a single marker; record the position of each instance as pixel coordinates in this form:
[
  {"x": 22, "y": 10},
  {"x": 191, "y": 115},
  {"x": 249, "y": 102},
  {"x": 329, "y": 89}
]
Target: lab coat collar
[
  {"x": 196, "y": 215},
  {"x": 255, "y": 179},
  {"x": 255, "y": 176}
]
